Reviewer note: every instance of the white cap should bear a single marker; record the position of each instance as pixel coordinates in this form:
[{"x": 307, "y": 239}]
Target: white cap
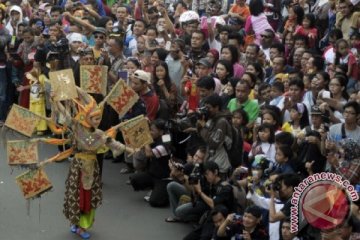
[
  {"x": 75, "y": 37},
  {"x": 142, "y": 75}
]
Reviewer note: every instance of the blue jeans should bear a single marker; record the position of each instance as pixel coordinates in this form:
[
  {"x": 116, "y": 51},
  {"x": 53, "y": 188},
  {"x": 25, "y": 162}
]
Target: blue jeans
[
  {"x": 3, "y": 87},
  {"x": 175, "y": 190},
  {"x": 187, "y": 211}
]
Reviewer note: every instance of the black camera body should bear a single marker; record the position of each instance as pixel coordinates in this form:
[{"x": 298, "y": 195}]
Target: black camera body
[
  {"x": 183, "y": 122},
  {"x": 237, "y": 218},
  {"x": 195, "y": 175},
  {"x": 276, "y": 186},
  {"x": 61, "y": 47},
  {"x": 194, "y": 178}
]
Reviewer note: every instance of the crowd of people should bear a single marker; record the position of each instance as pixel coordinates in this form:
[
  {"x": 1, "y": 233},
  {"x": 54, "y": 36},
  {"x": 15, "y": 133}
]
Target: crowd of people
[{"x": 244, "y": 99}]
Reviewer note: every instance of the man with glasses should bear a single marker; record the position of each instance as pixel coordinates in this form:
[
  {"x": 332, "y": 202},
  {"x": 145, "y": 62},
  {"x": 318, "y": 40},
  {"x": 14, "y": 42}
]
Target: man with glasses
[
  {"x": 267, "y": 39},
  {"x": 100, "y": 40},
  {"x": 348, "y": 129}
]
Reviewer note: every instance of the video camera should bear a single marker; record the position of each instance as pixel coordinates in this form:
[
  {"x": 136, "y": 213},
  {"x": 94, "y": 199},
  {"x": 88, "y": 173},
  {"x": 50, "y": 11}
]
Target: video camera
[
  {"x": 61, "y": 47},
  {"x": 184, "y": 121}
]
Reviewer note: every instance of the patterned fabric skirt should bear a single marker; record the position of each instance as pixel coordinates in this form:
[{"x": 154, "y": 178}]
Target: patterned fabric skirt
[{"x": 72, "y": 209}]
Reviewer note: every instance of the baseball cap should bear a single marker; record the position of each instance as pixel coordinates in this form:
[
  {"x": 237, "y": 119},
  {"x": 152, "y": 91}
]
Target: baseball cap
[
  {"x": 143, "y": 76},
  {"x": 100, "y": 30},
  {"x": 315, "y": 110},
  {"x": 205, "y": 62}
]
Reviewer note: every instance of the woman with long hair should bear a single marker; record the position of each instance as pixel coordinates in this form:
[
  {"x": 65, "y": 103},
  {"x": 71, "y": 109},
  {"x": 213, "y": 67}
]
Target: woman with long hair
[
  {"x": 163, "y": 85},
  {"x": 230, "y": 53},
  {"x": 256, "y": 69}
]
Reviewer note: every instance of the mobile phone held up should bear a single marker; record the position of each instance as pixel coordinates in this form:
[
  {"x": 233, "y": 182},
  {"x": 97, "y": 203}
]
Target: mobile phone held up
[{"x": 124, "y": 76}]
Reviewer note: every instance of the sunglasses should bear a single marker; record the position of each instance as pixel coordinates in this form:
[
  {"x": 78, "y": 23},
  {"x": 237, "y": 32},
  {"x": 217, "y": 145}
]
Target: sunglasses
[
  {"x": 85, "y": 51},
  {"x": 99, "y": 36},
  {"x": 265, "y": 36}
]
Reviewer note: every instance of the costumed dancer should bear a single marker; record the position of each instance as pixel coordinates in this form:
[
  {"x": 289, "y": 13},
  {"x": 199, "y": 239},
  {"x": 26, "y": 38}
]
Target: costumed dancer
[{"x": 83, "y": 185}]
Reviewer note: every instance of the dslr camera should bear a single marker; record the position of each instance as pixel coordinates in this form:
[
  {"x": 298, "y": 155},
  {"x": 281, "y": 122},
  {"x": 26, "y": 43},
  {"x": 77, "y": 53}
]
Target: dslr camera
[
  {"x": 195, "y": 175},
  {"x": 184, "y": 121}
]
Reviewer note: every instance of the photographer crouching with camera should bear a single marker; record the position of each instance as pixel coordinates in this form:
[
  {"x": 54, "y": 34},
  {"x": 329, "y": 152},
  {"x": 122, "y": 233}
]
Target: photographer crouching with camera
[
  {"x": 220, "y": 193},
  {"x": 183, "y": 202},
  {"x": 283, "y": 185},
  {"x": 247, "y": 227}
]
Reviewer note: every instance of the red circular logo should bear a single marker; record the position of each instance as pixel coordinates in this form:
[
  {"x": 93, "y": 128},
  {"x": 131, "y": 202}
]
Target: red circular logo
[{"x": 325, "y": 205}]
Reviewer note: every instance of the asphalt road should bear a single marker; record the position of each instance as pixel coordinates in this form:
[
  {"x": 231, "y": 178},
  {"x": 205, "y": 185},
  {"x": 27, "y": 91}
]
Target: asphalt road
[{"x": 124, "y": 214}]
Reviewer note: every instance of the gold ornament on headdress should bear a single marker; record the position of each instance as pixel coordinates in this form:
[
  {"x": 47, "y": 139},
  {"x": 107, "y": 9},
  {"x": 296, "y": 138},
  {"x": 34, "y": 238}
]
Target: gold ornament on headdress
[{"x": 87, "y": 110}]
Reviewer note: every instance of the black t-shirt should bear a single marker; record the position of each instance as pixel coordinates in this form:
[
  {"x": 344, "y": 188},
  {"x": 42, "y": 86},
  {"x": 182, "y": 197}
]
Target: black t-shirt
[
  {"x": 158, "y": 167},
  {"x": 222, "y": 193},
  {"x": 286, "y": 208},
  {"x": 237, "y": 229}
]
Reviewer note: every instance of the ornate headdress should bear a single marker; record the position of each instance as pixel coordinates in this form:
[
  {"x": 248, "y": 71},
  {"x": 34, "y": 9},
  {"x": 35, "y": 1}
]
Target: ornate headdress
[{"x": 87, "y": 108}]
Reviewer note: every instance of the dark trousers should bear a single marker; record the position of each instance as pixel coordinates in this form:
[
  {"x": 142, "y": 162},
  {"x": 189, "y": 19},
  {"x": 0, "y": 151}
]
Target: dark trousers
[
  {"x": 203, "y": 232},
  {"x": 143, "y": 181}
]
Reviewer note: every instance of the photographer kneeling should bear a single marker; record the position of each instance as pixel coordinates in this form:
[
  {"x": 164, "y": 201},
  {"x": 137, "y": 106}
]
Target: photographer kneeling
[
  {"x": 181, "y": 189},
  {"x": 220, "y": 193}
]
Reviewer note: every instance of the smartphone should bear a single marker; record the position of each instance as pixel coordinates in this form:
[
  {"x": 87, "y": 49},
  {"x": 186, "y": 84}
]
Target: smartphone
[
  {"x": 258, "y": 121},
  {"x": 123, "y": 75}
]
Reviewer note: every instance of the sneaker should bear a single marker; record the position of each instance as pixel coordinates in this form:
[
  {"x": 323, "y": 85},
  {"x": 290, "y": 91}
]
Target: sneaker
[
  {"x": 82, "y": 233},
  {"x": 147, "y": 196},
  {"x": 73, "y": 228}
]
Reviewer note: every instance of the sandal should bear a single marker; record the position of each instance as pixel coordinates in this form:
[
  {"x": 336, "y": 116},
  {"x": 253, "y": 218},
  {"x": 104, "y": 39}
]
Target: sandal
[
  {"x": 82, "y": 233},
  {"x": 172, "y": 219}
]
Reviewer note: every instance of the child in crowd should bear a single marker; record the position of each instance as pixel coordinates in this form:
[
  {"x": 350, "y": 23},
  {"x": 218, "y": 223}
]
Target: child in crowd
[
  {"x": 308, "y": 29},
  {"x": 239, "y": 120},
  {"x": 264, "y": 143},
  {"x": 299, "y": 119},
  {"x": 277, "y": 92},
  {"x": 344, "y": 56},
  {"x": 283, "y": 157}
]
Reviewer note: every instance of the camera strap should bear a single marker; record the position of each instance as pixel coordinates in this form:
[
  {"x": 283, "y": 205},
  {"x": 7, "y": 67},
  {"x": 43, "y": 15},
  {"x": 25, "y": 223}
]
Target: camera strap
[{"x": 343, "y": 133}]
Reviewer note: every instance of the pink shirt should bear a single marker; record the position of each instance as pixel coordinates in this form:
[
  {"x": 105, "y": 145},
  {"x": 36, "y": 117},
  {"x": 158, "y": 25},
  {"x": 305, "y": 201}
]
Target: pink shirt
[
  {"x": 238, "y": 70},
  {"x": 257, "y": 25}
]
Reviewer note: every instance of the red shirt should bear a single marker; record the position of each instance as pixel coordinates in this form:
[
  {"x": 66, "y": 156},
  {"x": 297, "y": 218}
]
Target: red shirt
[
  {"x": 151, "y": 101},
  {"x": 193, "y": 98}
]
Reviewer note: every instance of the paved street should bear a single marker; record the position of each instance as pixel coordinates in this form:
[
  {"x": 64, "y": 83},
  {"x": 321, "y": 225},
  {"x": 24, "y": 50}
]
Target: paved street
[{"x": 124, "y": 214}]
